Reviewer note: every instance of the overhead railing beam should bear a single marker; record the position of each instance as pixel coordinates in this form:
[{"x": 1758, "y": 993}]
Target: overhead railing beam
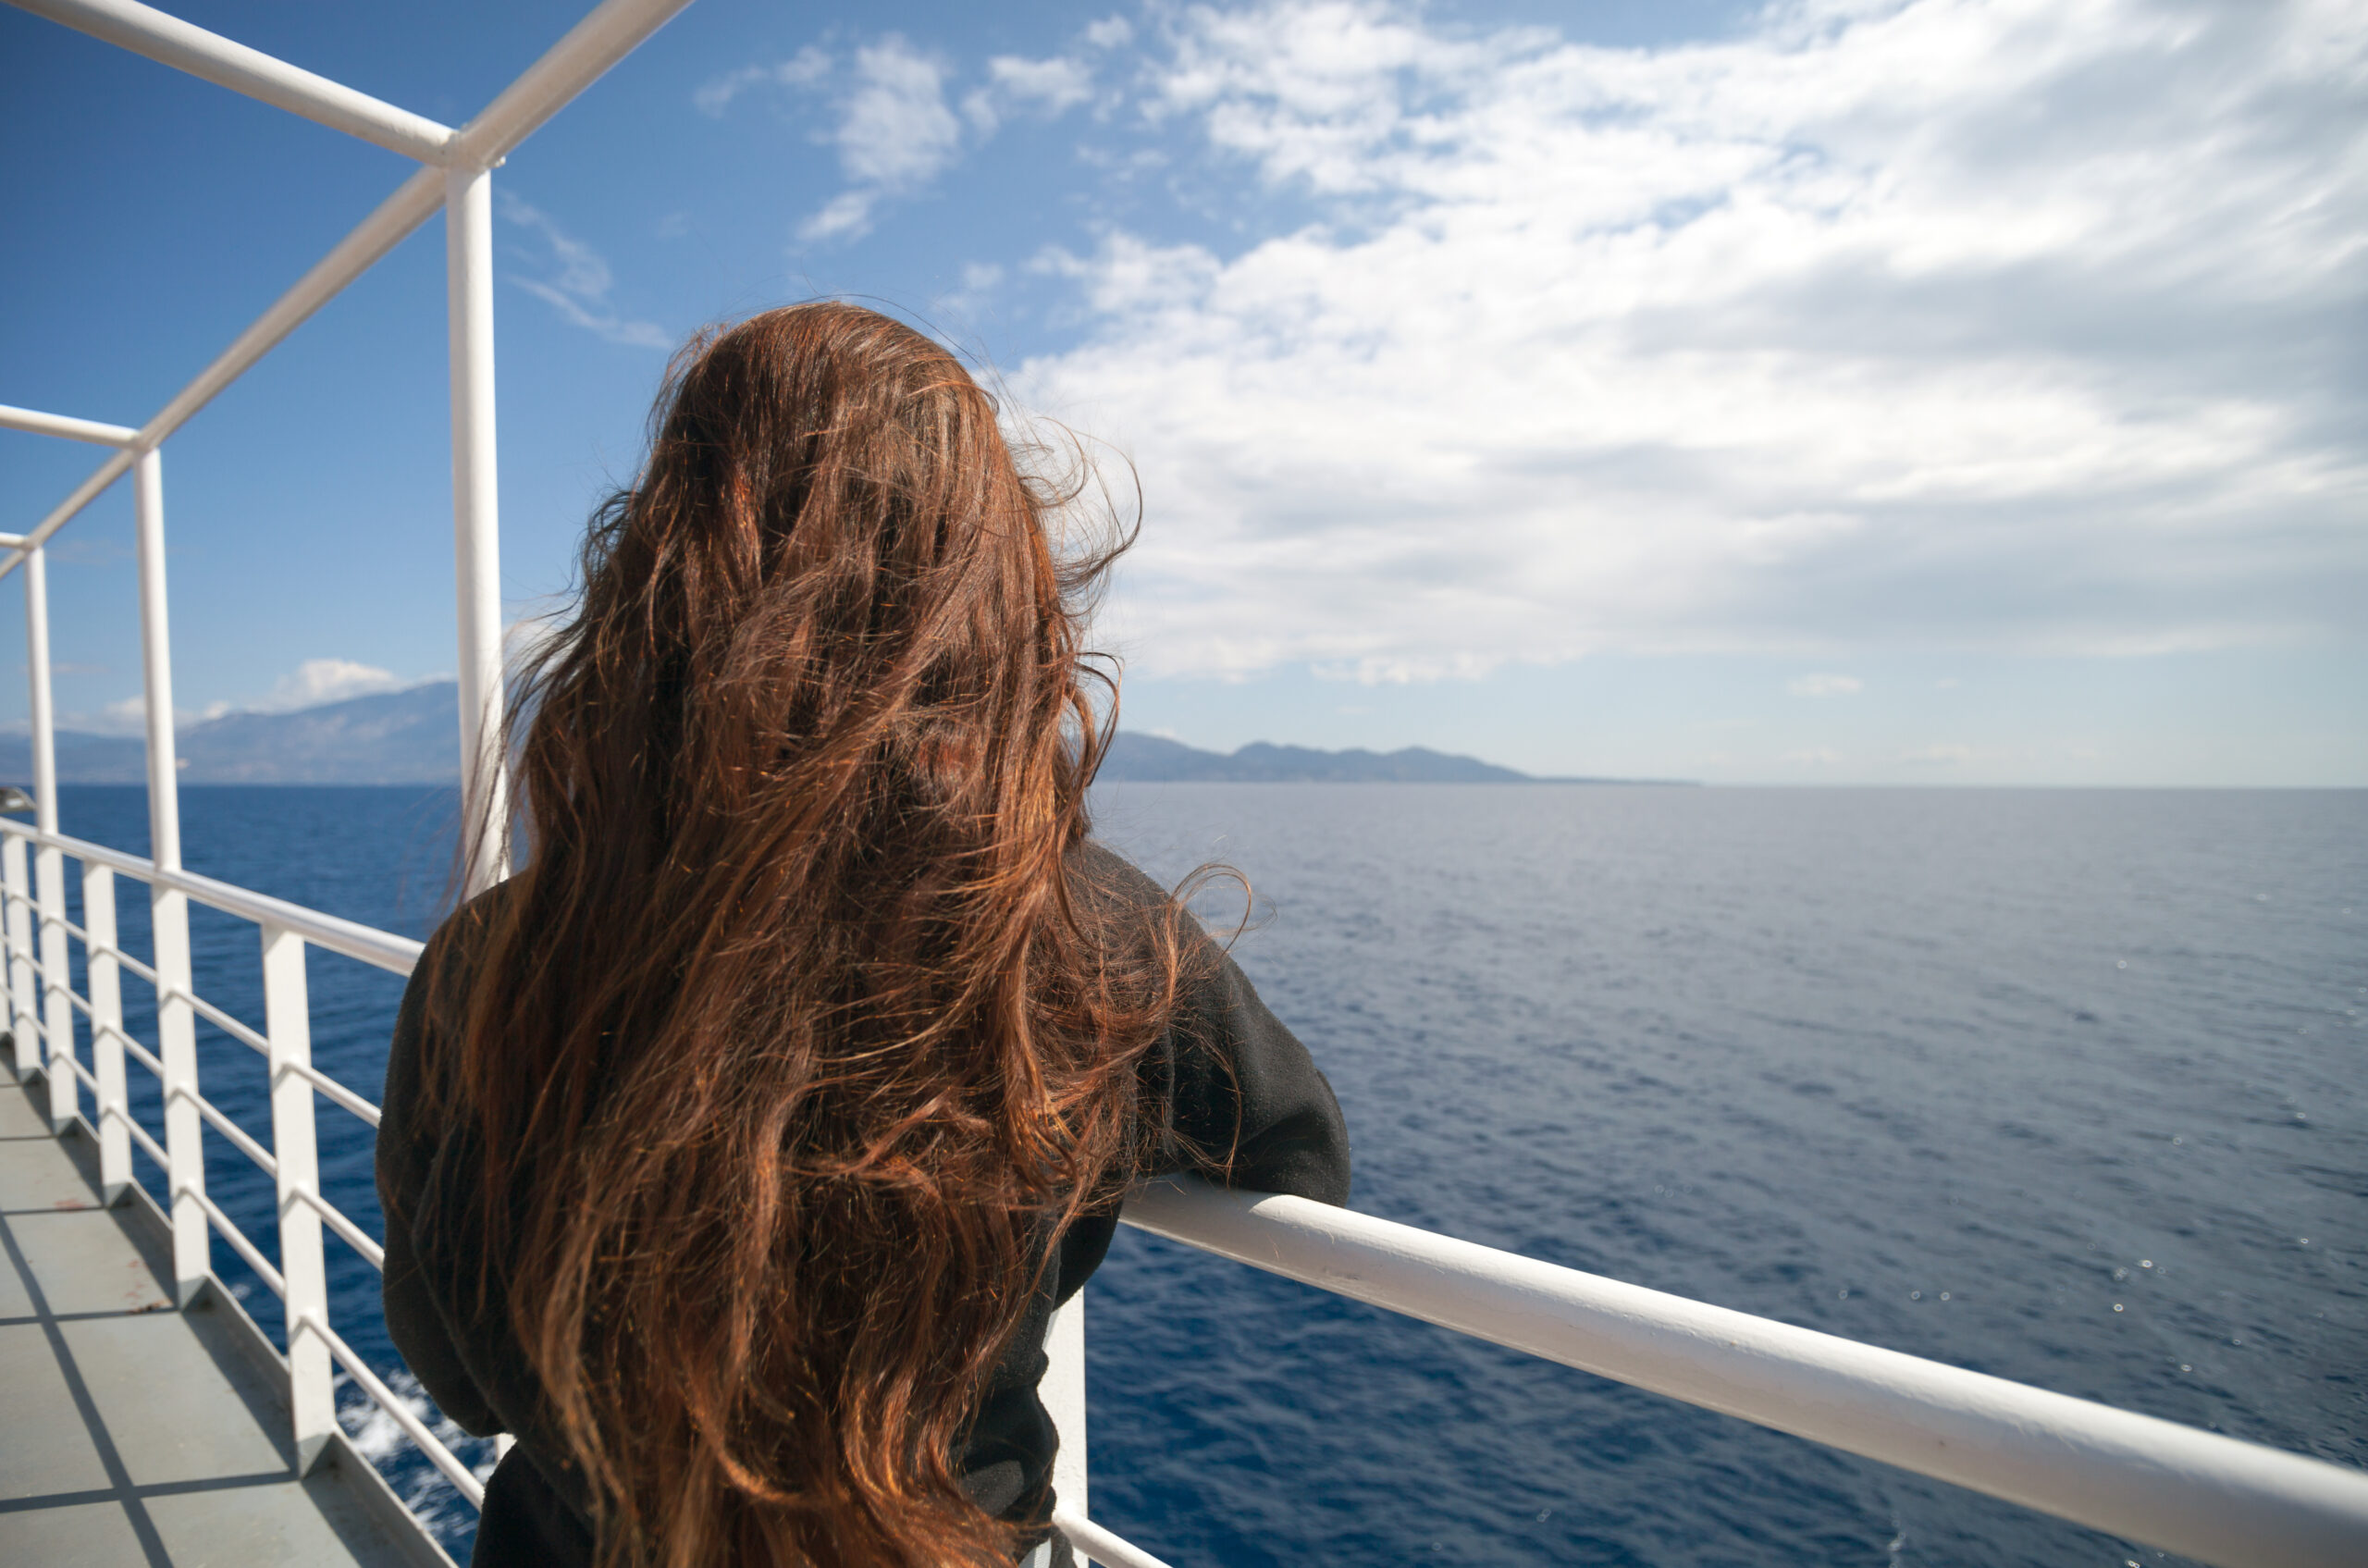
[
  {"x": 611, "y": 31},
  {"x": 170, "y": 40},
  {"x": 33, "y": 422},
  {"x": 593, "y": 45},
  {"x": 414, "y": 202}
]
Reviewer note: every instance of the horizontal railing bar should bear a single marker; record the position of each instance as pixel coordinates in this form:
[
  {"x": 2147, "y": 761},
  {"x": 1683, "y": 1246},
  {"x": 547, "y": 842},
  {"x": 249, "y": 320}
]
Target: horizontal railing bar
[
  {"x": 335, "y": 1090},
  {"x": 148, "y": 1145},
  {"x": 353, "y": 1235},
  {"x": 226, "y": 1023},
  {"x": 105, "y": 950},
  {"x": 137, "y": 1049},
  {"x": 90, "y": 1079},
  {"x": 444, "y": 1459},
  {"x": 221, "y": 1020},
  {"x": 237, "y": 1135},
  {"x": 2231, "y": 1503},
  {"x": 1098, "y": 1545},
  {"x": 34, "y": 421},
  {"x": 170, "y": 40},
  {"x": 594, "y": 45},
  {"x": 238, "y": 1240},
  {"x": 385, "y": 949}
]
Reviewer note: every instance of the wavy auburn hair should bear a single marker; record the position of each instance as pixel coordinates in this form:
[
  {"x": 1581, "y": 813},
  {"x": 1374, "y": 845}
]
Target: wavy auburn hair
[{"x": 797, "y": 1040}]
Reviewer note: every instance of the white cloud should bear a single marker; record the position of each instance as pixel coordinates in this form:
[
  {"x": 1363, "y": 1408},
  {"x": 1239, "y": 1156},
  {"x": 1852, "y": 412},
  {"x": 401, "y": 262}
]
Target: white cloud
[
  {"x": 1943, "y": 754},
  {"x": 577, "y": 281},
  {"x": 895, "y": 130},
  {"x": 847, "y": 214},
  {"x": 1052, "y": 85},
  {"x": 894, "y": 134},
  {"x": 804, "y": 68},
  {"x": 316, "y": 681},
  {"x": 2017, "y": 324},
  {"x": 311, "y": 683},
  {"x": 1824, "y": 685},
  {"x": 980, "y": 282},
  {"x": 1046, "y": 89}
]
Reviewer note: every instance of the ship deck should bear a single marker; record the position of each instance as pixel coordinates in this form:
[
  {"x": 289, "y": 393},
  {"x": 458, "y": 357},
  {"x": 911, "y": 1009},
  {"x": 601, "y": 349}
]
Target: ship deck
[{"x": 134, "y": 1434}]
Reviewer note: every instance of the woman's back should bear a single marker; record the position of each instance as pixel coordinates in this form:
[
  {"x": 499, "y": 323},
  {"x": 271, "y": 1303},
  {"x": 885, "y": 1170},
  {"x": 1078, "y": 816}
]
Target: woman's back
[{"x": 729, "y": 1142}]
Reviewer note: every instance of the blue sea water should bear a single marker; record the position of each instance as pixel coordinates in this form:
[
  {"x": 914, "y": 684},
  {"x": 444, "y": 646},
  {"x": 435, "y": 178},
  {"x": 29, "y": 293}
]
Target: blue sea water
[{"x": 2063, "y": 1086}]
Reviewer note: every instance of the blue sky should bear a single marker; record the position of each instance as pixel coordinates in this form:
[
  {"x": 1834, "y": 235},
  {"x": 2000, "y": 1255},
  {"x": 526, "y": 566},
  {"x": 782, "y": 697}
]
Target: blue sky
[{"x": 1842, "y": 390}]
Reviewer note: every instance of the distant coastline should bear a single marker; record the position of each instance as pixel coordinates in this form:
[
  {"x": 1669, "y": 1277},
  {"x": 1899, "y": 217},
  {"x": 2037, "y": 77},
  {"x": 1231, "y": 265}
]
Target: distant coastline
[
  {"x": 412, "y": 737},
  {"x": 1142, "y": 759}
]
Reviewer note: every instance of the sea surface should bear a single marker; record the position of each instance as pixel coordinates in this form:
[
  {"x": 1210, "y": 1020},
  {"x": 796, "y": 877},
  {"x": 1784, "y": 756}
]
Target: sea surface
[{"x": 2067, "y": 1087}]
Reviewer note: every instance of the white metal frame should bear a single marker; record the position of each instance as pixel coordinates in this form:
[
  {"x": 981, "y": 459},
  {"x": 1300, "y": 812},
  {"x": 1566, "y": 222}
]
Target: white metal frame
[{"x": 2209, "y": 1497}]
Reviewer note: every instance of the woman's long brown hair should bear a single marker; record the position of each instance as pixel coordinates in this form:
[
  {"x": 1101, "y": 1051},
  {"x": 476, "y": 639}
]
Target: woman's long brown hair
[{"x": 797, "y": 1037}]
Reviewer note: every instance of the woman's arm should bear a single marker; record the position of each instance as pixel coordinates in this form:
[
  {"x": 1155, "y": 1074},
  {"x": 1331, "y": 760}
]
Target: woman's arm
[
  {"x": 1243, "y": 1102},
  {"x": 405, "y": 1158}
]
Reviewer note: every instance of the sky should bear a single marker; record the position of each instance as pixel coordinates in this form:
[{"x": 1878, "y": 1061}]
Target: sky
[{"x": 1829, "y": 392}]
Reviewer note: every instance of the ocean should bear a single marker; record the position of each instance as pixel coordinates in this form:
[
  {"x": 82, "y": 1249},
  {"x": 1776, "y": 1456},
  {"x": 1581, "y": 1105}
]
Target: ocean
[{"x": 2064, "y": 1086}]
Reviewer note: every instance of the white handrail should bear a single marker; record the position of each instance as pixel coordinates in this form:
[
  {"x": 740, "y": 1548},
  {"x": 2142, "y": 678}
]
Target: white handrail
[
  {"x": 1096, "y": 1544},
  {"x": 398, "y": 953},
  {"x": 185, "y": 46},
  {"x": 2235, "y": 1504}
]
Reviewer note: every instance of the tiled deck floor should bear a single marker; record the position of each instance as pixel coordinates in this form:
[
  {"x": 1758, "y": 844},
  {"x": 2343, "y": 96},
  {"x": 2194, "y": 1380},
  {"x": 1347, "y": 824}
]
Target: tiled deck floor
[{"x": 134, "y": 1435}]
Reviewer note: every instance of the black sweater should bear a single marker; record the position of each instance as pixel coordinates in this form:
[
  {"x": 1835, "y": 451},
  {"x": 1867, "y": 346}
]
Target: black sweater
[{"x": 1226, "y": 1076}]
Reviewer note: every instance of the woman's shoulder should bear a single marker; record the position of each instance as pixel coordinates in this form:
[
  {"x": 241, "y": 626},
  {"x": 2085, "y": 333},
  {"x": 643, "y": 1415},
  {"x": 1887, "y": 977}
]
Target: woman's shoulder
[{"x": 1102, "y": 872}]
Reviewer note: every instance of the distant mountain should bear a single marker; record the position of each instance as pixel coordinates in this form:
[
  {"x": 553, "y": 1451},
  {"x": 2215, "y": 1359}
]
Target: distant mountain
[
  {"x": 413, "y": 736},
  {"x": 410, "y": 736},
  {"x": 1140, "y": 759},
  {"x": 1149, "y": 758}
]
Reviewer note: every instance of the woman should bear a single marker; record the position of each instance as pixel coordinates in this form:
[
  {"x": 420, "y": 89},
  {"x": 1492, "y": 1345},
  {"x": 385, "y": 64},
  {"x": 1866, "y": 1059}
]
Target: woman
[{"x": 738, "y": 1149}]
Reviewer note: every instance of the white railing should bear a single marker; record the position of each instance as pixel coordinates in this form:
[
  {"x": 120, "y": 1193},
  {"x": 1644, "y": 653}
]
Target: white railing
[
  {"x": 300, "y": 1277},
  {"x": 2225, "y": 1501}
]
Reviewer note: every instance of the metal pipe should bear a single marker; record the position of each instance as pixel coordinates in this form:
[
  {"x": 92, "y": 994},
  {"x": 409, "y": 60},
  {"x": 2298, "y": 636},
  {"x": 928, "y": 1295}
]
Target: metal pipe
[
  {"x": 1063, "y": 1392},
  {"x": 2231, "y": 1503},
  {"x": 296, "y": 1172},
  {"x": 167, "y": 905},
  {"x": 172, "y": 42},
  {"x": 157, "y": 663},
  {"x": 1095, "y": 1543},
  {"x": 24, "y": 1032},
  {"x": 107, "y": 1030},
  {"x": 33, "y": 422},
  {"x": 476, "y": 529},
  {"x": 49, "y": 866}
]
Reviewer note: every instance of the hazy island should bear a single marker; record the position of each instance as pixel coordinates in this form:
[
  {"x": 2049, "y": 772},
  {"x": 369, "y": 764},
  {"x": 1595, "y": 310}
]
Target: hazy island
[{"x": 412, "y": 737}]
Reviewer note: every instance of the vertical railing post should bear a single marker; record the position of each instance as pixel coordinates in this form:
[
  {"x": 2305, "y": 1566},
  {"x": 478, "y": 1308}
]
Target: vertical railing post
[
  {"x": 169, "y": 910},
  {"x": 1063, "y": 1392},
  {"x": 107, "y": 1032},
  {"x": 287, "y": 1024},
  {"x": 23, "y": 1026},
  {"x": 49, "y": 864},
  {"x": 476, "y": 513}
]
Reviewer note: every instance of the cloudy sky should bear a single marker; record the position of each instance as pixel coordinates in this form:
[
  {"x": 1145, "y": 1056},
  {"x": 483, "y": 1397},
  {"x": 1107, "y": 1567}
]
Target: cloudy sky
[{"x": 1842, "y": 390}]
